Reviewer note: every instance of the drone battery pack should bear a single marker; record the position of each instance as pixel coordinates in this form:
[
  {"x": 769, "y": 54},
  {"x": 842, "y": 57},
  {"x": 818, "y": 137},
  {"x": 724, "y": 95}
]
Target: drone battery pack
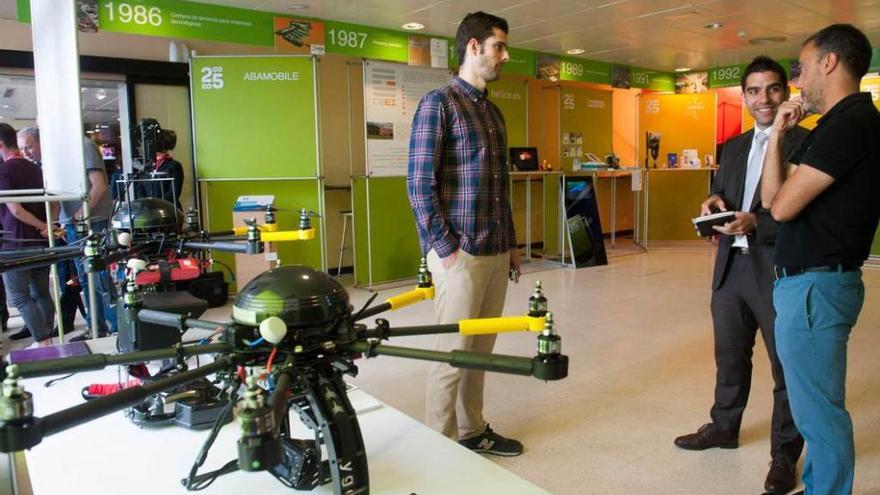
[
  {"x": 199, "y": 414},
  {"x": 211, "y": 287},
  {"x": 139, "y": 336}
]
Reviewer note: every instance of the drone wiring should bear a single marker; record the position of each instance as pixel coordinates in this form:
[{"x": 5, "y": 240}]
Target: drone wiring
[{"x": 271, "y": 358}]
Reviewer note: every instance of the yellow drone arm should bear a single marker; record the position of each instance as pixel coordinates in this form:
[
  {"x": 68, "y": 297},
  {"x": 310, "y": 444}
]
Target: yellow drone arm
[
  {"x": 487, "y": 326},
  {"x": 269, "y": 227},
  {"x": 288, "y": 235},
  {"x": 416, "y": 295}
]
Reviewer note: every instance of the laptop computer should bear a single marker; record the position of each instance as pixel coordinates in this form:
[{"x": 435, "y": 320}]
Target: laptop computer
[{"x": 524, "y": 159}]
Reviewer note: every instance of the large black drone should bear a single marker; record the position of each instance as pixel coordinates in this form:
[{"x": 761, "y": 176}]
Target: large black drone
[
  {"x": 293, "y": 338},
  {"x": 154, "y": 229}
]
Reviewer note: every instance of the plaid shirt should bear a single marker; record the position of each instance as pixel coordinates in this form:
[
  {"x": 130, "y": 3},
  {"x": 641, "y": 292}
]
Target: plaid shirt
[{"x": 457, "y": 181}]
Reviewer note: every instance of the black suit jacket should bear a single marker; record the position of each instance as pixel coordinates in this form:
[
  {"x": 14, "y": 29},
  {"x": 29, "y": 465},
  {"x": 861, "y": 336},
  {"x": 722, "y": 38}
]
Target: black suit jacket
[{"x": 729, "y": 183}]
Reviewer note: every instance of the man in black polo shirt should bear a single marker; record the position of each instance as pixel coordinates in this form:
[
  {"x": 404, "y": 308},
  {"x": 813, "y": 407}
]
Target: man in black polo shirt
[
  {"x": 824, "y": 201},
  {"x": 27, "y": 289}
]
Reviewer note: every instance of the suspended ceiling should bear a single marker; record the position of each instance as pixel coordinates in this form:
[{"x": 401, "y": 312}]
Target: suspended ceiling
[{"x": 657, "y": 34}]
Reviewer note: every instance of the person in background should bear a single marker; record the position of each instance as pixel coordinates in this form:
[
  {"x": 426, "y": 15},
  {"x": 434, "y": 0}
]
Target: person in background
[
  {"x": 100, "y": 209},
  {"x": 165, "y": 166},
  {"x": 825, "y": 200},
  {"x": 457, "y": 184},
  {"x": 28, "y": 289},
  {"x": 71, "y": 301},
  {"x": 4, "y": 310},
  {"x": 742, "y": 285}
]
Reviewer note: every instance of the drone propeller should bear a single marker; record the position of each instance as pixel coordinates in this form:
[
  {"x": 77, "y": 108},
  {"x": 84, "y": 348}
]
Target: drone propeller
[{"x": 13, "y": 239}]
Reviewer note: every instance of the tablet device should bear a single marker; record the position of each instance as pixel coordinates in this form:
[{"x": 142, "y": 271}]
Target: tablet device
[
  {"x": 49, "y": 352},
  {"x": 705, "y": 223}
]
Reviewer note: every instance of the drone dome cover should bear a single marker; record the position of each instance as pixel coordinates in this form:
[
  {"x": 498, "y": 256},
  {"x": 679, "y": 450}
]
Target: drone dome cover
[
  {"x": 299, "y": 295},
  {"x": 145, "y": 213}
]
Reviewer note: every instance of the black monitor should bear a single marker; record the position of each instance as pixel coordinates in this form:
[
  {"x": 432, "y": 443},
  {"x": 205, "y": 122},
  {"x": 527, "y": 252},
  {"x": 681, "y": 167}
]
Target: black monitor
[{"x": 524, "y": 159}]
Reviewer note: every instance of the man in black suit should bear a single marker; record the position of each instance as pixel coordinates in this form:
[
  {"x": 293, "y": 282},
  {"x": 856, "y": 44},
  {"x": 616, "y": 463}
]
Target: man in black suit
[{"x": 742, "y": 285}]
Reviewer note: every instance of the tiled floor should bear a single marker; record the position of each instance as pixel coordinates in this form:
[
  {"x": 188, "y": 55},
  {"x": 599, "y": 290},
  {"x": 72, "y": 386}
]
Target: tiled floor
[{"x": 639, "y": 336}]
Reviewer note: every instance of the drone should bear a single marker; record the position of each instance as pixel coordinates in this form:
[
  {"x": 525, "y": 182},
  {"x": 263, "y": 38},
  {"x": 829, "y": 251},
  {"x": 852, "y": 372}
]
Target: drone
[
  {"x": 152, "y": 228},
  {"x": 293, "y": 337},
  {"x": 149, "y": 234}
]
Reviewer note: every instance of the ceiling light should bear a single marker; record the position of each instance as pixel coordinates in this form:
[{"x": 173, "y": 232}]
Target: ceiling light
[
  {"x": 101, "y": 94},
  {"x": 767, "y": 40},
  {"x": 5, "y": 106},
  {"x": 682, "y": 69},
  {"x": 298, "y": 7},
  {"x": 413, "y": 26},
  {"x": 713, "y": 25},
  {"x": 575, "y": 51},
  {"x": 742, "y": 33}
]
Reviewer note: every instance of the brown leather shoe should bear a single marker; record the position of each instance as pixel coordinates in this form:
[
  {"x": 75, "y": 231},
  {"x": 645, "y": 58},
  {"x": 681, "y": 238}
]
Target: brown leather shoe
[
  {"x": 707, "y": 437},
  {"x": 782, "y": 477}
]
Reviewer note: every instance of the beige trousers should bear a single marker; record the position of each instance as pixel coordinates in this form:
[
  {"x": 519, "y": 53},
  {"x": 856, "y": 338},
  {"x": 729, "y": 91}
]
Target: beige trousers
[{"x": 474, "y": 287}]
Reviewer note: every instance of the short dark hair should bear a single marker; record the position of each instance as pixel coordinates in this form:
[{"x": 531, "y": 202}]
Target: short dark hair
[
  {"x": 166, "y": 140},
  {"x": 476, "y": 25},
  {"x": 8, "y": 136},
  {"x": 763, "y": 63},
  {"x": 849, "y": 44}
]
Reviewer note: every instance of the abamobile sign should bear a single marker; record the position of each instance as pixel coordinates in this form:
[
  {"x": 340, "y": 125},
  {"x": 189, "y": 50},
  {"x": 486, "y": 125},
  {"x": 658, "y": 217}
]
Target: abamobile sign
[{"x": 266, "y": 101}]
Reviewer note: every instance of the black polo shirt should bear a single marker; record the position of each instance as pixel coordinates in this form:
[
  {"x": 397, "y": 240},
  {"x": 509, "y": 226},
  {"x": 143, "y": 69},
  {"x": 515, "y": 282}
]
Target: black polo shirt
[{"x": 838, "y": 226}]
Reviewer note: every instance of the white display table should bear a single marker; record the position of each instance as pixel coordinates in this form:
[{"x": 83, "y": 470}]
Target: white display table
[{"x": 111, "y": 455}]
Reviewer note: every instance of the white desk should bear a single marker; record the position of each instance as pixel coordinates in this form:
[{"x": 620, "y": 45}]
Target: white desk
[{"x": 111, "y": 456}]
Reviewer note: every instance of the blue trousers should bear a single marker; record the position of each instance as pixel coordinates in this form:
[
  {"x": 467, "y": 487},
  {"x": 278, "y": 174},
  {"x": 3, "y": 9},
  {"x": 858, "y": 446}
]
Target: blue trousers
[
  {"x": 28, "y": 291},
  {"x": 104, "y": 291},
  {"x": 815, "y": 312}
]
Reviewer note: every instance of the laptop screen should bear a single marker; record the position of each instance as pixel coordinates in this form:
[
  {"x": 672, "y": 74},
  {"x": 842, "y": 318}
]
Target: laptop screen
[{"x": 524, "y": 158}]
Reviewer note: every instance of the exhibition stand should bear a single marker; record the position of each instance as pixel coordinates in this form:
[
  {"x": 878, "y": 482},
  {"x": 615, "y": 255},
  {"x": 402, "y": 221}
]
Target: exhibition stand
[{"x": 255, "y": 123}]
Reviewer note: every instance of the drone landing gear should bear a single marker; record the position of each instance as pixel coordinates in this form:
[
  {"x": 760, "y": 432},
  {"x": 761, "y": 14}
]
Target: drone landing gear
[
  {"x": 318, "y": 396},
  {"x": 322, "y": 403}
]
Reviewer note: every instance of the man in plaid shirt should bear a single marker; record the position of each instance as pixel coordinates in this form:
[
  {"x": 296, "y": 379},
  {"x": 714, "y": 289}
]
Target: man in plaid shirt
[{"x": 458, "y": 188}]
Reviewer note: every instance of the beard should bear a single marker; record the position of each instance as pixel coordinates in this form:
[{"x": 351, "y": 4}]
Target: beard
[
  {"x": 488, "y": 71},
  {"x": 491, "y": 74},
  {"x": 813, "y": 98}
]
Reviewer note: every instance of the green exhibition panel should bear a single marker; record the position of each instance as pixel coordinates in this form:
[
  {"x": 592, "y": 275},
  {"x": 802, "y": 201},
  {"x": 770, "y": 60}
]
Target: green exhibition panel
[
  {"x": 367, "y": 42},
  {"x": 359, "y": 231},
  {"x": 255, "y": 128},
  {"x": 254, "y": 117},
  {"x": 386, "y": 240},
  {"x": 290, "y": 195},
  {"x": 511, "y": 97}
]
